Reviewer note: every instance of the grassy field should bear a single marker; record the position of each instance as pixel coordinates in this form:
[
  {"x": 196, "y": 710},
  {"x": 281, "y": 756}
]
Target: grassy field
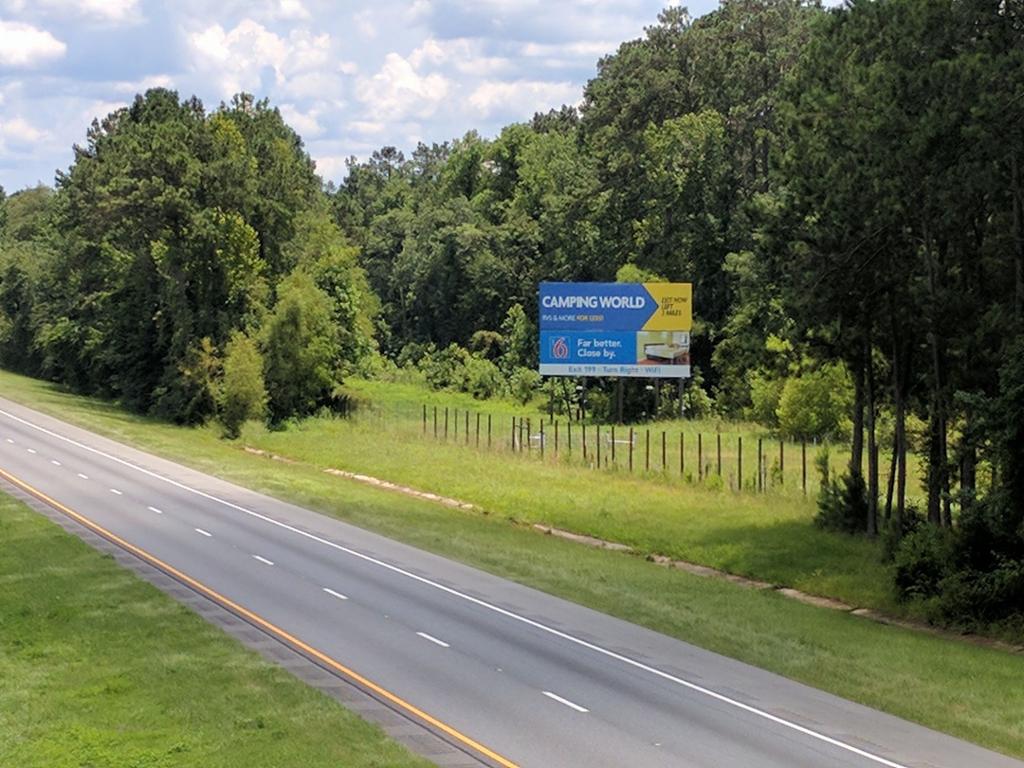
[
  {"x": 969, "y": 691},
  {"x": 100, "y": 669},
  {"x": 715, "y": 453}
]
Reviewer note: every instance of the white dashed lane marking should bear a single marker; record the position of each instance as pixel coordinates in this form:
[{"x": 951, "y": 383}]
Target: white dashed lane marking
[
  {"x": 434, "y": 640},
  {"x": 201, "y": 532},
  {"x": 154, "y": 509},
  {"x": 332, "y": 593},
  {"x": 116, "y": 492},
  {"x": 566, "y": 702},
  {"x": 263, "y": 560}
]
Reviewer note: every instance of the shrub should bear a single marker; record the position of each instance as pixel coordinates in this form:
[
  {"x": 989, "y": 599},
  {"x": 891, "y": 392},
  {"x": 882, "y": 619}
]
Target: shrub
[
  {"x": 923, "y": 560},
  {"x": 243, "y": 394},
  {"x": 523, "y": 384},
  {"x": 482, "y": 378},
  {"x": 444, "y": 368},
  {"x": 696, "y": 401},
  {"x": 816, "y": 404},
  {"x": 765, "y": 394},
  {"x": 842, "y": 501}
]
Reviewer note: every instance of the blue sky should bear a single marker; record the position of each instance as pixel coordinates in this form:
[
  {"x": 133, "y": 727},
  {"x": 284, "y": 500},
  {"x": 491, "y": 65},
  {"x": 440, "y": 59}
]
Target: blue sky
[{"x": 348, "y": 76}]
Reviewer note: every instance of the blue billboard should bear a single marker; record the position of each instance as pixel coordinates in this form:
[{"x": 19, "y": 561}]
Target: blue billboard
[{"x": 615, "y": 329}]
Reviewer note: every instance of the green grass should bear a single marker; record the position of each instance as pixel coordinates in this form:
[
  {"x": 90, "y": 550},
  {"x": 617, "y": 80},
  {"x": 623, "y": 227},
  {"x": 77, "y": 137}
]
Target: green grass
[
  {"x": 100, "y": 669},
  {"x": 766, "y": 536},
  {"x": 968, "y": 691}
]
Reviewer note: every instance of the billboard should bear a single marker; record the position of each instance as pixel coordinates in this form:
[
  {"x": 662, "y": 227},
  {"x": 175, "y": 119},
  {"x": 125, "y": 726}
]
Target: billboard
[{"x": 616, "y": 329}]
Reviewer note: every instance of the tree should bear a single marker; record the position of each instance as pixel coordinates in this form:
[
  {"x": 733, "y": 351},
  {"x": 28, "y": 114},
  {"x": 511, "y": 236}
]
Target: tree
[
  {"x": 243, "y": 393},
  {"x": 300, "y": 349}
]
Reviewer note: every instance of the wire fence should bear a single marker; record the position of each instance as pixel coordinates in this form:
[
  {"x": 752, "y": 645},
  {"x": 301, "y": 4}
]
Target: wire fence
[{"x": 725, "y": 456}]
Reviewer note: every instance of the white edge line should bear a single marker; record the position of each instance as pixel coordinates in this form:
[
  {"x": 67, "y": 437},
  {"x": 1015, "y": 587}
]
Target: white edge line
[
  {"x": 263, "y": 560},
  {"x": 201, "y": 532},
  {"x": 481, "y": 603},
  {"x": 560, "y": 700},
  {"x": 154, "y": 509},
  {"x": 434, "y": 640},
  {"x": 338, "y": 595}
]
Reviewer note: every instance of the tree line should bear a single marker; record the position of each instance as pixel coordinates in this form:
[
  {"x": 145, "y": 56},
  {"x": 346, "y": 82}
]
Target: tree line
[{"x": 843, "y": 187}]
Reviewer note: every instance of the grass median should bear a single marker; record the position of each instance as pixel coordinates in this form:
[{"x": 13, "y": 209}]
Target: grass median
[
  {"x": 100, "y": 669},
  {"x": 968, "y": 691}
]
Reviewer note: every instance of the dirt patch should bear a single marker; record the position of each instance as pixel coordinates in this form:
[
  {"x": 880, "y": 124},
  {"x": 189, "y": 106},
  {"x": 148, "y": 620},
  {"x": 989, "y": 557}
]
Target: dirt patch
[{"x": 386, "y": 485}]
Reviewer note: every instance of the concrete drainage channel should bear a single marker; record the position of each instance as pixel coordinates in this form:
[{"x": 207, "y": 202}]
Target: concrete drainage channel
[
  {"x": 682, "y": 565},
  {"x": 416, "y": 736}
]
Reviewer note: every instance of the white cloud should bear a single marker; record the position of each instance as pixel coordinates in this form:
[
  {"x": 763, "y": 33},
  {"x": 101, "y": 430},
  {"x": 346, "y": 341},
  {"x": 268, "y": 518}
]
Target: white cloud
[
  {"x": 369, "y": 127},
  {"x": 239, "y": 58},
  {"x": 365, "y": 24},
  {"x": 20, "y": 131},
  {"x": 143, "y": 85},
  {"x": 331, "y": 167},
  {"x": 113, "y": 11},
  {"x": 585, "y": 49},
  {"x": 521, "y": 99},
  {"x": 22, "y": 45},
  {"x": 398, "y": 91},
  {"x": 461, "y": 54},
  {"x": 305, "y": 123},
  {"x": 291, "y": 10}
]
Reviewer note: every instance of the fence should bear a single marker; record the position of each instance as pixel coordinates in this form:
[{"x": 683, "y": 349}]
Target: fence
[{"x": 722, "y": 456}]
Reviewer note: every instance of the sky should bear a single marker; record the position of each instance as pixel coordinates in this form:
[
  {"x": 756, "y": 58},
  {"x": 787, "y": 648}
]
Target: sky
[{"x": 349, "y": 76}]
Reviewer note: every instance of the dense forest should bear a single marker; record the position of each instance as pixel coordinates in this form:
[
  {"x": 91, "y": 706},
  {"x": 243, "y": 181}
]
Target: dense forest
[{"x": 845, "y": 189}]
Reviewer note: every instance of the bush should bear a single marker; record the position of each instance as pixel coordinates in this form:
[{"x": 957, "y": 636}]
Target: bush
[
  {"x": 765, "y": 394},
  {"x": 444, "y": 368},
  {"x": 482, "y": 378},
  {"x": 523, "y": 384},
  {"x": 816, "y": 404},
  {"x": 842, "y": 501},
  {"x": 243, "y": 394},
  {"x": 923, "y": 560},
  {"x": 696, "y": 401}
]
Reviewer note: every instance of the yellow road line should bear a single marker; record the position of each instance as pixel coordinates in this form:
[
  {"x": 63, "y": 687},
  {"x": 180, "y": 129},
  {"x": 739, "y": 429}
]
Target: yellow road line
[{"x": 264, "y": 624}]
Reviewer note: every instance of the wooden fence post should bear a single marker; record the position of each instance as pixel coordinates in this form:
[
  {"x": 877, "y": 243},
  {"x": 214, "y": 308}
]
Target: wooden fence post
[
  {"x": 630, "y": 449},
  {"x": 435, "y": 422},
  {"x": 446, "y": 423},
  {"x": 647, "y": 450},
  {"x": 739, "y": 463},
  {"x": 682, "y": 454},
  {"x": 803, "y": 465},
  {"x": 584, "y": 442},
  {"x": 424, "y": 418},
  {"x": 488, "y": 430},
  {"x": 760, "y": 462},
  {"x": 597, "y": 439},
  {"x": 556, "y": 438},
  {"x": 719, "y": 454},
  {"x": 700, "y": 455},
  {"x": 782, "y": 461},
  {"x": 542, "y": 439}
]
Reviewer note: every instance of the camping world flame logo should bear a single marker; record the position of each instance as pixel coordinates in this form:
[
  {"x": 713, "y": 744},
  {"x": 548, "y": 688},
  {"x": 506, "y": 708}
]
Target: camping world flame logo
[{"x": 560, "y": 348}]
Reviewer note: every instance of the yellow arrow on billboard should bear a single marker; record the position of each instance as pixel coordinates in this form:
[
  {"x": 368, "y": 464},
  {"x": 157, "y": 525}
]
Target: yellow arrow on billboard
[{"x": 675, "y": 307}]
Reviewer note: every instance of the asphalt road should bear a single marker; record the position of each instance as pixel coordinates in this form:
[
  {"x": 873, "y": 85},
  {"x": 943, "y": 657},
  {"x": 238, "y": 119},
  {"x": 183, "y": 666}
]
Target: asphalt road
[{"x": 536, "y": 680}]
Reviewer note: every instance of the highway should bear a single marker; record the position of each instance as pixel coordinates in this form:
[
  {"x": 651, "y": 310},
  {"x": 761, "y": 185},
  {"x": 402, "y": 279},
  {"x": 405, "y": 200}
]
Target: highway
[{"x": 521, "y": 678}]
